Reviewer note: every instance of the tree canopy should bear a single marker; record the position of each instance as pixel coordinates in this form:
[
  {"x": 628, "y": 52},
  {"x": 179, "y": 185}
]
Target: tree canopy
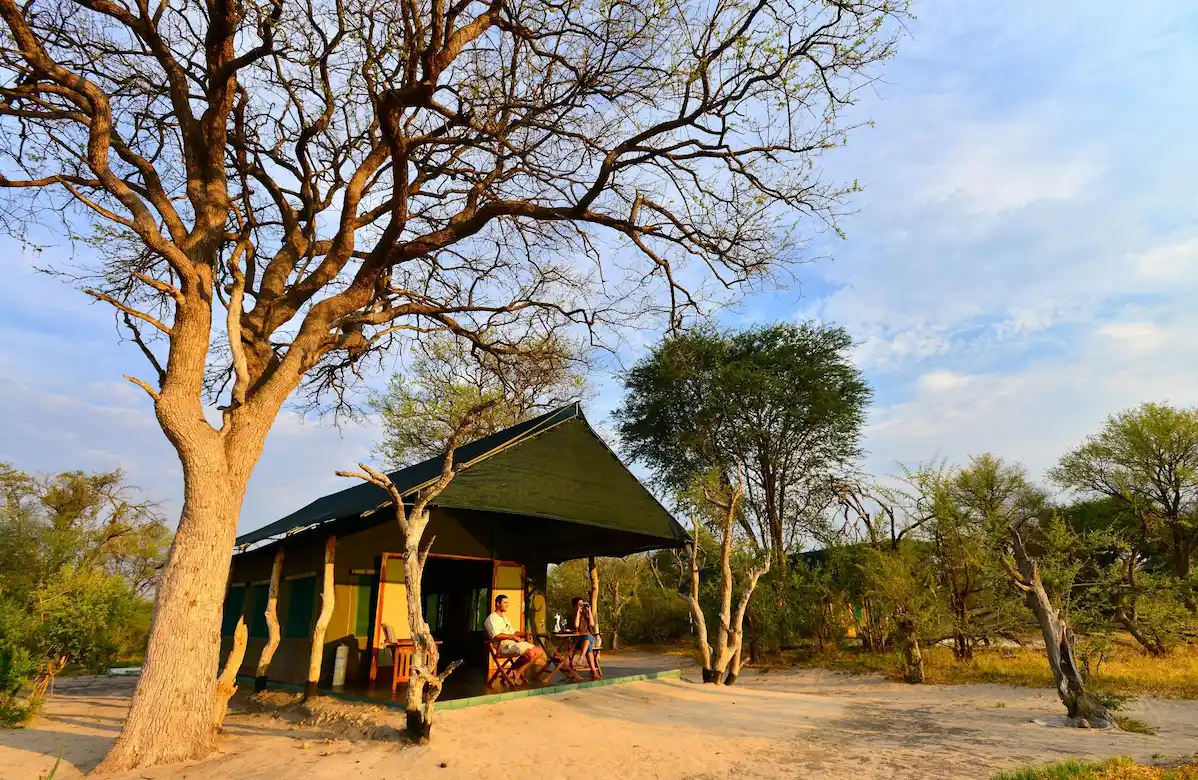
[{"x": 784, "y": 404}]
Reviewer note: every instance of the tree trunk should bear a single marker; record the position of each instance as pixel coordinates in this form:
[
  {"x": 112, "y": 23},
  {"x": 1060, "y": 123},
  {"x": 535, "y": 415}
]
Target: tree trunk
[
  {"x": 226, "y": 682},
  {"x": 697, "y": 610},
  {"x": 1082, "y": 706},
  {"x": 272, "y": 623},
  {"x": 170, "y": 718},
  {"x": 912, "y": 657},
  {"x": 316, "y": 656},
  {"x": 736, "y": 629}
]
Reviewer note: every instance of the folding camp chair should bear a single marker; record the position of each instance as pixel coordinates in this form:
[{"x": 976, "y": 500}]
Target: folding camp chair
[{"x": 505, "y": 664}]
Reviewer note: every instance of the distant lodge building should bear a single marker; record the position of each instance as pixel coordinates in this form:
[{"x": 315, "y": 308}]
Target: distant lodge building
[{"x": 541, "y": 492}]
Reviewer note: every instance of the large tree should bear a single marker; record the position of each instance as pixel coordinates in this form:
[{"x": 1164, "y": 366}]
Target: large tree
[
  {"x": 1146, "y": 459},
  {"x": 281, "y": 190},
  {"x": 784, "y": 404}
]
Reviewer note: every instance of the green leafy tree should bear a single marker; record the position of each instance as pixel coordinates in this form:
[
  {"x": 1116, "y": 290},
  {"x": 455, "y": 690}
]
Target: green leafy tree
[
  {"x": 1146, "y": 460},
  {"x": 783, "y": 404},
  {"x": 901, "y": 586},
  {"x": 79, "y": 553},
  {"x": 972, "y": 509}
]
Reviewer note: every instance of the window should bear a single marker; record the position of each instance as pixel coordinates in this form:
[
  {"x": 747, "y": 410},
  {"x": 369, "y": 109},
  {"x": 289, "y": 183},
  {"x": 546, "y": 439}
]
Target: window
[
  {"x": 480, "y": 607},
  {"x": 300, "y": 608},
  {"x": 234, "y": 607},
  {"x": 434, "y": 611},
  {"x": 257, "y": 618},
  {"x": 363, "y": 614}
]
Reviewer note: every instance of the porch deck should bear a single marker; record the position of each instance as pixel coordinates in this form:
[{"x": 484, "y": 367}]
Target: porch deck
[{"x": 467, "y": 686}]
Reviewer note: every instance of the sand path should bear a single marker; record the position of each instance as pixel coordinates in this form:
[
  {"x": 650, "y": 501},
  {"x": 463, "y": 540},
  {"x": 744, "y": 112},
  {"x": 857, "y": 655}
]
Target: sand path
[{"x": 808, "y": 724}]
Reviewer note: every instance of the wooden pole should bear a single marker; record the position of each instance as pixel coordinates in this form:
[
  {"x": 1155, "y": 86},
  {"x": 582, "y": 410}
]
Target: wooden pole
[
  {"x": 322, "y": 623},
  {"x": 594, "y": 572},
  {"x": 272, "y": 623},
  {"x": 226, "y": 681}
]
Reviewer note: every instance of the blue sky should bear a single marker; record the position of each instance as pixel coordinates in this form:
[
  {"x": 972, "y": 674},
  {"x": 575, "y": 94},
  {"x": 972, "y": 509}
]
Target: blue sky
[{"x": 1022, "y": 263}]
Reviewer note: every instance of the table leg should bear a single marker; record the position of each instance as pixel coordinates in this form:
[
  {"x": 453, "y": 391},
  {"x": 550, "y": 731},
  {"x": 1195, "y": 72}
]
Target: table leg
[{"x": 566, "y": 650}]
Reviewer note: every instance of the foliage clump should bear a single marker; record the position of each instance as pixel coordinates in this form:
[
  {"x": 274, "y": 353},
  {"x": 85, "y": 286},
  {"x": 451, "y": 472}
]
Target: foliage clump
[{"x": 78, "y": 557}]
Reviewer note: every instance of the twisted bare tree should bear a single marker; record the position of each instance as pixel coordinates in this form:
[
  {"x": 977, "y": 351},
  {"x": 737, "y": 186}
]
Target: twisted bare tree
[{"x": 280, "y": 191}]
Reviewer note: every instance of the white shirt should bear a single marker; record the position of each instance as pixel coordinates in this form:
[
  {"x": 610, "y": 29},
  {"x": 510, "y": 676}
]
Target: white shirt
[{"x": 497, "y": 624}]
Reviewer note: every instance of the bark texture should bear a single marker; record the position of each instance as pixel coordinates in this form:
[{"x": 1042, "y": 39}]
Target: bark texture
[
  {"x": 171, "y": 716},
  {"x": 273, "y": 634},
  {"x": 316, "y": 657},
  {"x": 1083, "y": 707}
]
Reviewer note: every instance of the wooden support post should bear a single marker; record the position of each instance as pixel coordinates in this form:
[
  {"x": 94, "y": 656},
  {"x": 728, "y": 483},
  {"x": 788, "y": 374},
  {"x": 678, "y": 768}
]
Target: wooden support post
[
  {"x": 272, "y": 623},
  {"x": 594, "y": 572},
  {"x": 322, "y": 622},
  {"x": 226, "y": 681}
]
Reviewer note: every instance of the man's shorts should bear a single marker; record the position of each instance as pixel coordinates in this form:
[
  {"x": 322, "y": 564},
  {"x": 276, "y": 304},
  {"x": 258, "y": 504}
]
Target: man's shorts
[{"x": 512, "y": 647}]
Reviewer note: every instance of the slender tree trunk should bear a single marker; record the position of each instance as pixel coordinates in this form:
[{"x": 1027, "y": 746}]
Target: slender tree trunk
[
  {"x": 697, "y": 610},
  {"x": 425, "y": 683},
  {"x": 1182, "y": 565},
  {"x": 170, "y": 718},
  {"x": 1058, "y": 641},
  {"x": 736, "y": 633},
  {"x": 226, "y": 682},
  {"x": 912, "y": 657},
  {"x": 723, "y": 646},
  {"x": 316, "y": 656},
  {"x": 425, "y": 656},
  {"x": 272, "y": 623}
]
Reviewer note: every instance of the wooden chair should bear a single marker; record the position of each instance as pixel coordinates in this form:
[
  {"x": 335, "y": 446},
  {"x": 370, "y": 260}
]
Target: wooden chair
[
  {"x": 401, "y": 657},
  {"x": 505, "y": 664}
]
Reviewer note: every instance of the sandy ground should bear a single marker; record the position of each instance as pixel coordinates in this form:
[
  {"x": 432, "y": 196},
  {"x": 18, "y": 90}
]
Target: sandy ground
[{"x": 790, "y": 724}]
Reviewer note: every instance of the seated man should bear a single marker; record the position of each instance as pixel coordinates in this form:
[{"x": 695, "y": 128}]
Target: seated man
[{"x": 511, "y": 641}]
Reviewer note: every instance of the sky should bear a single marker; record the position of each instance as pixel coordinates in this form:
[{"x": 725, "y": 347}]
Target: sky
[{"x": 1022, "y": 263}]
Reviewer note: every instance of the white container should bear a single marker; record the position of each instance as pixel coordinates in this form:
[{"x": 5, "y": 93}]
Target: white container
[{"x": 339, "y": 662}]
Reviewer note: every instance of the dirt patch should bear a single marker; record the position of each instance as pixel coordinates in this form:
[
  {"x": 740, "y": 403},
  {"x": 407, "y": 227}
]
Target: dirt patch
[
  {"x": 334, "y": 719},
  {"x": 785, "y": 724}
]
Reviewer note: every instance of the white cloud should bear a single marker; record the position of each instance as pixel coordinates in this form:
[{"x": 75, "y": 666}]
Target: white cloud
[
  {"x": 942, "y": 381},
  {"x": 1037, "y": 413},
  {"x": 1170, "y": 264},
  {"x": 993, "y": 167}
]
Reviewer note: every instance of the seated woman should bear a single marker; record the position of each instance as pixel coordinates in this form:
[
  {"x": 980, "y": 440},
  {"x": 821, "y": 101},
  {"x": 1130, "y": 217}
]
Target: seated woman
[{"x": 582, "y": 620}]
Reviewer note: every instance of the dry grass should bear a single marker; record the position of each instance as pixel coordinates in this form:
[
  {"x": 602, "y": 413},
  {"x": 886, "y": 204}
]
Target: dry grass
[
  {"x": 1114, "y": 769},
  {"x": 1128, "y": 673}
]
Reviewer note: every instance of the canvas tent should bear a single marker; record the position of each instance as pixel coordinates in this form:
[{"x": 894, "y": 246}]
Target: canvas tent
[{"x": 540, "y": 492}]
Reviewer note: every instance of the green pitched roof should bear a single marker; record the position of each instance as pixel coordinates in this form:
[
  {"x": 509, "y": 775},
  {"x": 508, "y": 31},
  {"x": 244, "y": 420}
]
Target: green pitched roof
[{"x": 554, "y": 466}]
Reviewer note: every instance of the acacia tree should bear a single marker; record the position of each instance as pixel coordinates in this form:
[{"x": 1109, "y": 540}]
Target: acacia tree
[
  {"x": 784, "y": 404},
  {"x": 77, "y": 554},
  {"x": 1146, "y": 459},
  {"x": 282, "y": 190}
]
